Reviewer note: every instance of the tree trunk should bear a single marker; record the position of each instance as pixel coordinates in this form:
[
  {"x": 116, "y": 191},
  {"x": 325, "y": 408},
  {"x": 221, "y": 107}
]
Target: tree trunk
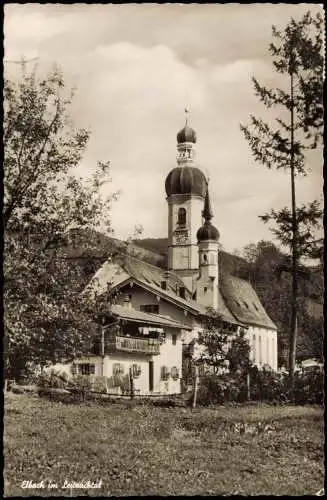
[
  {"x": 196, "y": 385},
  {"x": 248, "y": 386},
  {"x": 293, "y": 332}
]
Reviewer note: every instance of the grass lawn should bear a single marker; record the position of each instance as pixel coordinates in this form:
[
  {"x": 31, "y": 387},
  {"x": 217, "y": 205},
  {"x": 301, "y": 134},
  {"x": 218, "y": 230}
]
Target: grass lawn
[{"x": 142, "y": 450}]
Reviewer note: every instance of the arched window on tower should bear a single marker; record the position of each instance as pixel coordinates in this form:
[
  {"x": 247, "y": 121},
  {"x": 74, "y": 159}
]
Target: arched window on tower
[{"x": 182, "y": 217}]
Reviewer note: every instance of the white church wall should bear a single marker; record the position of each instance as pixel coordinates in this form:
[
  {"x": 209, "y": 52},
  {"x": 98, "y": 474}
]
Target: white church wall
[{"x": 263, "y": 342}]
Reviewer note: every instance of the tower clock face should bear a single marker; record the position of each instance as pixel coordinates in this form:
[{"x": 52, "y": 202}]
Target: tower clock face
[{"x": 181, "y": 237}]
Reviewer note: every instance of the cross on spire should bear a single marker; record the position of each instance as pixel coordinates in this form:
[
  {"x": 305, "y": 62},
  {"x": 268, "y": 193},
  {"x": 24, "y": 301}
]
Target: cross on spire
[{"x": 187, "y": 113}]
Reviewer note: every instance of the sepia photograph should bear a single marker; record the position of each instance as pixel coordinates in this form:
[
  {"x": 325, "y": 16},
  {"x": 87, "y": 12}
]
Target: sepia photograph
[{"x": 163, "y": 247}]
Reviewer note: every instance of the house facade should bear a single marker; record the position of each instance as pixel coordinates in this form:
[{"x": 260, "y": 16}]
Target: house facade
[
  {"x": 134, "y": 345},
  {"x": 192, "y": 280}
]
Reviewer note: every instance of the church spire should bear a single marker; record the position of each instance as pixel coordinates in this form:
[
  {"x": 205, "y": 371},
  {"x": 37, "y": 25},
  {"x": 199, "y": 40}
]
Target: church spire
[{"x": 207, "y": 210}]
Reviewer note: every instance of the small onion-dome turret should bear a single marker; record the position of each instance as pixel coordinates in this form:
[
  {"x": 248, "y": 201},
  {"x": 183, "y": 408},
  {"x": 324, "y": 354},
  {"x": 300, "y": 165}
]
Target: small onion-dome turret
[
  {"x": 187, "y": 134},
  {"x": 207, "y": 231},
  {"x": 186, "y": 180}
]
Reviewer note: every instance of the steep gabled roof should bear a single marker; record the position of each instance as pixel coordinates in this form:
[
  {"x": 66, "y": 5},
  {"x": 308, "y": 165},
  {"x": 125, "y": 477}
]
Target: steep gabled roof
[{"x": 243, "y": 302}]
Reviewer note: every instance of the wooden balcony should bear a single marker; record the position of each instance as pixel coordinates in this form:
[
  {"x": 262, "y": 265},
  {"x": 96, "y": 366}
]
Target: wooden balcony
[{"x": 132, "y": 344}]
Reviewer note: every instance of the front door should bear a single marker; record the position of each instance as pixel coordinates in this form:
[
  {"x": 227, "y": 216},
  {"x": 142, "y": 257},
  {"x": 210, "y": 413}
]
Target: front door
[{"x": 150, "y": 376}]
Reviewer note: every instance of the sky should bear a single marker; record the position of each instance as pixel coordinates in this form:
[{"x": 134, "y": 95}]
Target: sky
[{"x": 136, "y": 67}]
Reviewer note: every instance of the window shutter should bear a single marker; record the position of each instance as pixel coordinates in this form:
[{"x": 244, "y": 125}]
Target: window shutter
[
  {"x": 164, "y": 373},
  {"x": 136, "y": 370},
  {"x": 174, "y": 373},
  {"x": 118, "y": 369}
]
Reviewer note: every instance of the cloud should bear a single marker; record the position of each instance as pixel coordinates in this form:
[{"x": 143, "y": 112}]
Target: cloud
[
  {"x": 35, "y": 27},
  {"x": 136, "y": 67}
]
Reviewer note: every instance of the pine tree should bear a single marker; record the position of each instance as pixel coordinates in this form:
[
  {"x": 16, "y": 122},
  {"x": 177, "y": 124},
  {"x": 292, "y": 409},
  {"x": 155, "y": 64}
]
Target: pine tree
[{"x": 298, "y": 58}]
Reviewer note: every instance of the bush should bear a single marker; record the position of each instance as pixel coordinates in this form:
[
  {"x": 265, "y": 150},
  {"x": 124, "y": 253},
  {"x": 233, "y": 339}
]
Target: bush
[
  {"x": 266, "y": 385},
  {"x": 82, "y": 384},
  {"x": 218, "y": 389},
  {"x": 309, "y": 386},
  {"x": 99, "y": 384}
]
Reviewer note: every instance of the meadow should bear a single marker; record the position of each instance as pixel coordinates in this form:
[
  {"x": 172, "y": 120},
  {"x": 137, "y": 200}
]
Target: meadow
[{"x": 137, "y": 449}]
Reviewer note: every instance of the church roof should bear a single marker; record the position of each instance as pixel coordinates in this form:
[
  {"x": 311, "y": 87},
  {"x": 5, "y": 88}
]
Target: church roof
[
  {"x": 186, "y": 180},
  {"x": 242, "y": 300}
]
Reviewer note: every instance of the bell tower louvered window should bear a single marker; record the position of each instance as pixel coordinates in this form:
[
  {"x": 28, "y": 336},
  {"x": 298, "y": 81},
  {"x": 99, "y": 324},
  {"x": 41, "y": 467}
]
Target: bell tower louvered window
[{"x": 181, "y": 217}]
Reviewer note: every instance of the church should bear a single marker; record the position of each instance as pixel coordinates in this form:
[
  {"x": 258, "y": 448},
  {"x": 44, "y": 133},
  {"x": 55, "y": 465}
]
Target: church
[{"x": 159, "y": 307}]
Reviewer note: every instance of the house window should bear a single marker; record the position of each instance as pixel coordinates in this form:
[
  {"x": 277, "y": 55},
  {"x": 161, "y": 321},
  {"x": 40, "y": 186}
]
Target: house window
[
  {"x": 260, "y": 350},
  {"x": 174, "y": 339},
  {"x": 182, "y": 292},
  {"x": 205, "y": 289},
  {"x": 182, "y": 217},
  {"x": 86, "y": 369},
  {"x": 118, "y": 369},
  {"x": 164, "y": 285},
  {"x": 150, "y": 308},
  {"x": 205, "y": 258}
]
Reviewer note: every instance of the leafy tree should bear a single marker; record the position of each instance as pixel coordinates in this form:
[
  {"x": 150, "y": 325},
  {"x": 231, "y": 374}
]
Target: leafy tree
[
  {"x": 45, "y": 317},
  {"x": 222, "y": 346},
  {"x": 238, "y": 354},
  {"x": 225, "y": 351},
  {"x": 213, "y": 341},
  {"x": 298, "y": 56}
]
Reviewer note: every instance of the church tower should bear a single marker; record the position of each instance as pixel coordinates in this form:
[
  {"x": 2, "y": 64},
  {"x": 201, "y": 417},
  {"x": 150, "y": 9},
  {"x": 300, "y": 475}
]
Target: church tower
[
  {"x": 208, "y": 236},
  {"x": 186, "y": 188}
]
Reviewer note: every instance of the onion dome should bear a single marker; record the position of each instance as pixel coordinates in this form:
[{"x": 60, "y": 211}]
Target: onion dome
[
  {"x": 207, "y": 231},
  {"x": 186, "y": 180},
  {"x": 187, "y": 134}
]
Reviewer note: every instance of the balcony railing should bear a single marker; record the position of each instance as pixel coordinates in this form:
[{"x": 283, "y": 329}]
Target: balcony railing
[{"x": 130, "y": 344}]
